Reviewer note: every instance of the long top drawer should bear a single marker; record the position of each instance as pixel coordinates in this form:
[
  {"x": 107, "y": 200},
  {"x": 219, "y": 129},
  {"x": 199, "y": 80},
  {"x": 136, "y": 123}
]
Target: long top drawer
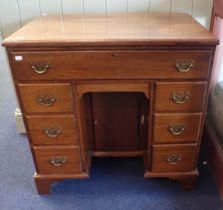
[{"x": 141, "y": 64}]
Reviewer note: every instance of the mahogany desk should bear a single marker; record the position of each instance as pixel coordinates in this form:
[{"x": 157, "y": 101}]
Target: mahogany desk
[{"x": 120, "y": 85}]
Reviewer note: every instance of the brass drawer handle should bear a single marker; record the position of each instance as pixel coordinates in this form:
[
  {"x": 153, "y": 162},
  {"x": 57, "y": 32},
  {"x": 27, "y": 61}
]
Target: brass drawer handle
[
  {"x": 173, "y": 159},
  {"x": 184, "y": 65},
  {"x": 40, "y": 67},
  {"x": 176, "y": 129},
  {"x": 58, "y": 161},
  {"x": 52, "y": 131},
  {"x": 180, "y": 97},
  {"x": 47, "y": 100}
]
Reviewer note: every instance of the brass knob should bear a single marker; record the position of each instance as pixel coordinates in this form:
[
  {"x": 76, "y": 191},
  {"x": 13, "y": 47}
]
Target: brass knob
[
  {"x": 47, "y": 100},
  {"x": 173, "y": 159},
  {"x": 180, "y": 97},
  {"x": 184, "y": 65},
  {"x": 58, "y": 161},
  {"x": 40, "y": 67},
  {"x": 52, "y": 131},
  {"x": 176, "y": 129}
]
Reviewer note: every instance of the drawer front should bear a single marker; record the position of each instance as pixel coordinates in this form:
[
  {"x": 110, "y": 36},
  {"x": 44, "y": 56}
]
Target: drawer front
[
  {"x": 170, "y": 128},
  {"x": 184, "y": 96},
  {"x": 58, "y": 160},
  {"x": 174, "y": 158},
  {"x": 139, "y": 64},
  {"x": 53, "y": 130},
  {"x": 46, "y": 97}
]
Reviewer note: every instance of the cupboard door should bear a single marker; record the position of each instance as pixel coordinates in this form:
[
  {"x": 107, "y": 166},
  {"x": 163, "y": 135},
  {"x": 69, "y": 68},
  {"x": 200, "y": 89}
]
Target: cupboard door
[{"x": 117, "y": 121}]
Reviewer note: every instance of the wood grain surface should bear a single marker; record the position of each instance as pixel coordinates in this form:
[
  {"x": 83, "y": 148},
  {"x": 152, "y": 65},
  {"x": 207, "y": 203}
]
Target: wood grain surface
[
  {"x": 165, "y": 90},
  {"x": 61, "y": 92},
  {"x": 191, "y": 123},
  {"x": 160, "y": 153},
  {"x": 134, "y": 64},
  {"x": 66, "y": 123},
  {"x": 135, "y": 29},
  {"x": 44, "y": 154}
]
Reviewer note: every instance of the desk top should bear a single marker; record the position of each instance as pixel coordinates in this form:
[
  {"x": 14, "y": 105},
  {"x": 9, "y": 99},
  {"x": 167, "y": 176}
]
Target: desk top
[{"x": 118, "y": 29}]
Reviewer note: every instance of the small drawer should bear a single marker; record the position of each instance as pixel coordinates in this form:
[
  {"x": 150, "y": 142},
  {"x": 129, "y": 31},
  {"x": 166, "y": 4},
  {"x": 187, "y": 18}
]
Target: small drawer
[
  {"x": 173, "y": 128},
  {"x": 53, "y": 130},
  {"x": 46, "y": 97},
  {"x": 184, "y": 96},
  {"x": 58, "y": 160},
  {"x": 173, "y": 158},
  {"x": 121, "y": 64}
]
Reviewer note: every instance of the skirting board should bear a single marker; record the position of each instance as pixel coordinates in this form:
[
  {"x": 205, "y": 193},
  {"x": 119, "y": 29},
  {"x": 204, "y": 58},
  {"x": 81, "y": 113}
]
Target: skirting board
[{"x": 19, "y": 121}]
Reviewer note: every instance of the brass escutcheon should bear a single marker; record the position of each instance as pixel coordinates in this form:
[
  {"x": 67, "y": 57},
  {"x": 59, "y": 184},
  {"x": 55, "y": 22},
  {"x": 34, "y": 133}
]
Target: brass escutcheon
[
  {"x": 52, "y": 131},
  {"x": 47, "y": 100},
  {"x": 40, "y": 67},
  {"x": 173, "y": 159},
  {"x": 58, "y": 161},
  {"x": 184, "y": 65},
  {"x": 176, "y": 129},
  {"x": 180, "y": 97}
]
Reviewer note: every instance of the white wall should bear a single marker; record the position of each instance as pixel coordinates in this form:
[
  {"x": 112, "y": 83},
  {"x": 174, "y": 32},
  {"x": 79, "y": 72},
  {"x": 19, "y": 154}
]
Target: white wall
[{"x": 15, "y": 13}]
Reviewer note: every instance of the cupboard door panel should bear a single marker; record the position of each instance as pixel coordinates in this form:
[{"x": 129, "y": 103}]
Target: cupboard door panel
[{"x": 116, "y": 121}]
